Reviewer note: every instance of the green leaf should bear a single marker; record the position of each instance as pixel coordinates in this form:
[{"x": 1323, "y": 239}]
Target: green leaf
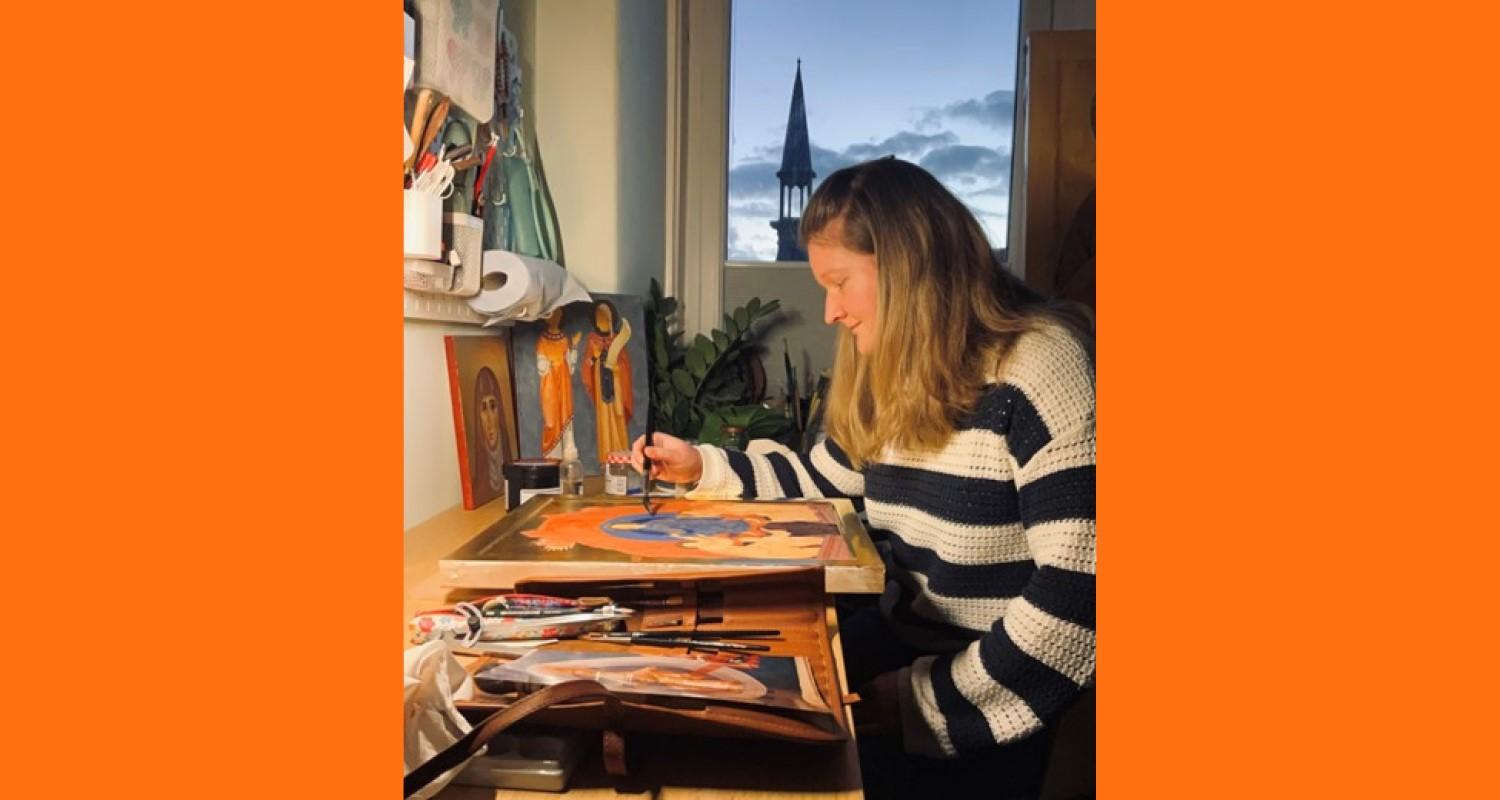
[
  {"x": 695, "y": 364},
  {"x": 770, "y": 308},
  {"x": 742, "y": 318},
  {"x": 705, "y": 345},
  {"x": 722, "y": 340},
  {"x": 712, "y": 431},
  {"x": 754, "y": 305},
  {"x": 765, "y": 423},
  {"x": 659, "y": 349},
  {"x": 683, "y": 382},
  {"x": 668, "y": 306}
]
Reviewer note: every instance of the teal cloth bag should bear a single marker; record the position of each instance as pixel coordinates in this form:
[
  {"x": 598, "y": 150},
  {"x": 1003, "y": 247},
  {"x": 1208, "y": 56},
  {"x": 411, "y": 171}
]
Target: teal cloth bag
[{"x": 520, "y": 218}]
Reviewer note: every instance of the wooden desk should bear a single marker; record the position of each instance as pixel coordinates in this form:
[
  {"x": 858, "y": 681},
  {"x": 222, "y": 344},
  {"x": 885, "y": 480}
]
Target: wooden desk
[{"x": 670, "y": 768}]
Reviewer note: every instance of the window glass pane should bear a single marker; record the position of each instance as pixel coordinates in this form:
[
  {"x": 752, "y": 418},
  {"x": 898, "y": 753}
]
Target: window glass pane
[{"x": 933, "y": 83}]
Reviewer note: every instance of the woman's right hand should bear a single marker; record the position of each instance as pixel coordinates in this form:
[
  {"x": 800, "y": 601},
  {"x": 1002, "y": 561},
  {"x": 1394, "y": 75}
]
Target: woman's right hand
[{"x": 672, "y": 459}]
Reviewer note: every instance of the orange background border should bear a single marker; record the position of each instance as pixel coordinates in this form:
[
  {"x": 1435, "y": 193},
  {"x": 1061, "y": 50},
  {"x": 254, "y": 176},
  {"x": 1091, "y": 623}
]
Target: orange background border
[
  {"x": 203, "y": 482},
  {"x": 1295, "y": 399},
  {"x": 204, "y": 491}
]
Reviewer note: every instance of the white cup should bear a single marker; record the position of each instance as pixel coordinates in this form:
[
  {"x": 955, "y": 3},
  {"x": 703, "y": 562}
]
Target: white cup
[{"x": 423, "y": 229}]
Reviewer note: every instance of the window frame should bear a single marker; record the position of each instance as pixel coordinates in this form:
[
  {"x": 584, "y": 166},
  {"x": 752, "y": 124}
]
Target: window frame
[{"x": 698, "y": 42}]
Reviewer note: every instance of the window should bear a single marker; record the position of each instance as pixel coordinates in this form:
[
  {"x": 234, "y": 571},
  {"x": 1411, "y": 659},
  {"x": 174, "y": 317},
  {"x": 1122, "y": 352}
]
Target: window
[{"x": 933, "y": 84}]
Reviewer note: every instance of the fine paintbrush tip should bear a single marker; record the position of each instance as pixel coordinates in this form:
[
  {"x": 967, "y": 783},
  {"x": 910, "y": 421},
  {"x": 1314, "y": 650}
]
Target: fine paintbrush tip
[{"x": 646, "y": 463}]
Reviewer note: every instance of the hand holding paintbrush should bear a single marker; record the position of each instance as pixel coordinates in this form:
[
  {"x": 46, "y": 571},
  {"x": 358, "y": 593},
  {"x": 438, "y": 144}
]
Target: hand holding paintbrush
[{"x": 667, "y": 458}]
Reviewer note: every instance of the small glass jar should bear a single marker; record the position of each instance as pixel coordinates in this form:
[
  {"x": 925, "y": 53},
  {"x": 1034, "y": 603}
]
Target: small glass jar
[
  {"x": 571, "y": 477},
  {"x": 620, "y": 477},
  {"x": 734, "y": 437}
]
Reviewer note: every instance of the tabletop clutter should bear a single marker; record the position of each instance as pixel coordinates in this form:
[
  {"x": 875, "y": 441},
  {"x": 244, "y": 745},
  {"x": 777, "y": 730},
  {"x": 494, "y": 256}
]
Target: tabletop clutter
[{"x": 716, "y": 653}]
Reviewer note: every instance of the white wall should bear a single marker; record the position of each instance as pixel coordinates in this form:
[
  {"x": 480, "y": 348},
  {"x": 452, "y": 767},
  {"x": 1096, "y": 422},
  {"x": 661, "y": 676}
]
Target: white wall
[
  {"x": 600, "y": 122},
  {"x": 594, "y": 75},
  {"x": 430, "y": 451},
  {"x": 642, "y": 121}
]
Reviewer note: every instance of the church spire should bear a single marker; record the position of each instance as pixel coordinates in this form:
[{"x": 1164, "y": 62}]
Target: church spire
[
  {"x": 796, "y": 176},
  {"x": 796, "y": 153}
]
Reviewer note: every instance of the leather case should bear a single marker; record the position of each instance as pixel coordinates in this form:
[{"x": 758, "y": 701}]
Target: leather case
[{"x": 791, "y": 601}]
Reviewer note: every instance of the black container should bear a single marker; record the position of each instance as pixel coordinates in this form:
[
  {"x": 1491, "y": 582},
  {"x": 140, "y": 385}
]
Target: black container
[{"x": 533, "y": 474}]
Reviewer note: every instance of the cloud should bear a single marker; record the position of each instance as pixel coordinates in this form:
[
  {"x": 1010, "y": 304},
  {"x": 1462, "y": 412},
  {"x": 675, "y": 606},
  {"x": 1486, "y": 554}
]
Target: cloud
[
  {"x": 907, "y": 144},
  {"x": 980, "y": 176},
  {"x": 966, "y": 162},
  {"x": 750, "y": 238},
  {"x": 757, "y": 179},
  {"x": 752, "y": 179},
  {"x": 757, "y": 206},
  {"x": 996, "y": 109},
  {"x": 826, "y": 161}
]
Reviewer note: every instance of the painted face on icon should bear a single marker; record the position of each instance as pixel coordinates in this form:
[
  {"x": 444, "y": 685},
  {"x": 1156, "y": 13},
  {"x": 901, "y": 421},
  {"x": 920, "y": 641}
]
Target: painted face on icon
[
  {"x": 850, "y": 285},
  {"x": 489, "y": 420},
  {"x": 603, "y": 320}
]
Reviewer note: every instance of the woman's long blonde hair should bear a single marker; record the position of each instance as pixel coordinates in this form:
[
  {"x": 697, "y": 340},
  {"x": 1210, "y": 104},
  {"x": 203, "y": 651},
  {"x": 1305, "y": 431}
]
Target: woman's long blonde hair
[{"x": 946, "y": 309}]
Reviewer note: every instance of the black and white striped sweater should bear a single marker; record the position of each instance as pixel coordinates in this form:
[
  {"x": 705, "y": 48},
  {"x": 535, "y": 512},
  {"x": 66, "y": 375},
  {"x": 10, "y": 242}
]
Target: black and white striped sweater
[{"x": 989, "y": 546}]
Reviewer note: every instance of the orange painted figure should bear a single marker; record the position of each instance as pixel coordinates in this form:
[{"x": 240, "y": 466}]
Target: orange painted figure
[
  {"x": 606, "y": 376},
  {"x": 555, "y": 362}
]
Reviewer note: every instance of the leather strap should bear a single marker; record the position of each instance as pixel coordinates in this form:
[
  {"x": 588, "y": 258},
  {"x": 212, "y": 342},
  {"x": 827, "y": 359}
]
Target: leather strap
[
  {"x": 568, "y": 692},
  {"x": 614, "y": 737}
]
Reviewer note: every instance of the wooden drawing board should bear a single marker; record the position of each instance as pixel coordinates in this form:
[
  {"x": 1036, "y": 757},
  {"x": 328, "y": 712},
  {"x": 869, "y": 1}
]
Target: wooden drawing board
[{"x": 556, "y": 536}]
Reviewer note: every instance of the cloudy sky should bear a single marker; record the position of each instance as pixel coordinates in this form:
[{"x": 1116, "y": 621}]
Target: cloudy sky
[{"x": 934, "y": 87}]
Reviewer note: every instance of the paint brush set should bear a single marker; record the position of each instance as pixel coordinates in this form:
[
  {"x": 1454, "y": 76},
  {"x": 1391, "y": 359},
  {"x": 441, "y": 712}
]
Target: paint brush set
[{"x": 518, "y": 617}]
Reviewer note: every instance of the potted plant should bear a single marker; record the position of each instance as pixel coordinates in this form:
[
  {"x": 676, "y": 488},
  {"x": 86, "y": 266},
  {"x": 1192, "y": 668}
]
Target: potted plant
[{"x": 714, "y": 383}]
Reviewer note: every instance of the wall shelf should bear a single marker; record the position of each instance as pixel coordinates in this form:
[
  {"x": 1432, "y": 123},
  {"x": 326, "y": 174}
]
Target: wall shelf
[{"x": 439, "y": 308}]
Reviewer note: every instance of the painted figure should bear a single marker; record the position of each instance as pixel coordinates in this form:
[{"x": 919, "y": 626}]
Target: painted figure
[
  {"x": 669, "y": 526},
  {"x": 490, "y": 448},
  {"x": 556, "y": 360},
  {"x": 698, "y": 529},
  {"x": 606, "y": 376},
  {"x": 728, "y": 536}
]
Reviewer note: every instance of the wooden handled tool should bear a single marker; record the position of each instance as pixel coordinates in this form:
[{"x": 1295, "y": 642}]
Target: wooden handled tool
[
  {"x": 435, "y": 125},
  {"x": 419, "y": 114}
]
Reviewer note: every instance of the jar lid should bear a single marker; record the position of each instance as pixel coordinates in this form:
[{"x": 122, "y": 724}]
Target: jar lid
[
  {"x": 619, "y": 457},
  {"x": 532, "y": 468}
]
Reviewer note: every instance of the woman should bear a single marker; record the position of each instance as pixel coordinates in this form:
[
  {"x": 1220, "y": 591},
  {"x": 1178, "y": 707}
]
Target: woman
[
  {"x": 961, "y": 419},
  {"x": 606, "y": 377}
]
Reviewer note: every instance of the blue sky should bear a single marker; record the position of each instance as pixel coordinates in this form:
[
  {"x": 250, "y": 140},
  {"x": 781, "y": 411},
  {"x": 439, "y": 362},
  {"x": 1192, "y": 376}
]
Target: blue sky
[{"x": 934, "y": 87}]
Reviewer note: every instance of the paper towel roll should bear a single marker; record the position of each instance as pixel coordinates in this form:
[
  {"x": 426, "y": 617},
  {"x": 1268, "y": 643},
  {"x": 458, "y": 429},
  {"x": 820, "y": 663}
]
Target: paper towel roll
[{"x": 516, "y": 287}]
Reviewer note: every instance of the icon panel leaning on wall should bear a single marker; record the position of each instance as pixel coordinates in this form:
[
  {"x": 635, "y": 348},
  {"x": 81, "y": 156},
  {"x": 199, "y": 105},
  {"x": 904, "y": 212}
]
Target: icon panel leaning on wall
[
  {"x": 581, "y": 387},
  {"x": 484, "y": 412}
]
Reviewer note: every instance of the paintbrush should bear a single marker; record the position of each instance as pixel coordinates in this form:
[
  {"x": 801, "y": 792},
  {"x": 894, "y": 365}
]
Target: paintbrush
[
  {"x": 664, "y": 639},
  {"x": 792, "y": 397},
  {"x": 646, "y": 463}
]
